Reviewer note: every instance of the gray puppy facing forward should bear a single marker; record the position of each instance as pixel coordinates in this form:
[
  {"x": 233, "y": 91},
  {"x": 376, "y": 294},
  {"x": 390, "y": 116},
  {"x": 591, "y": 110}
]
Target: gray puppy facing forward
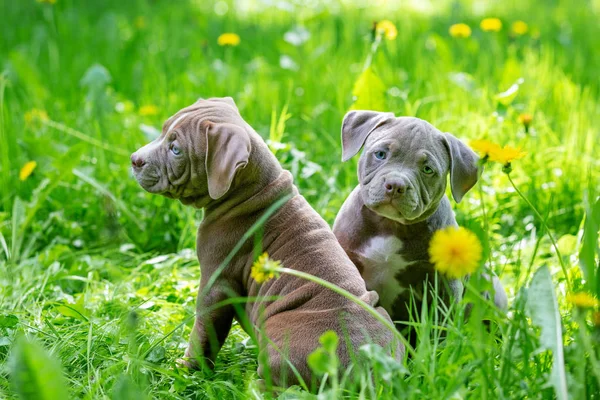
[
  {"x": 207, "y": 156},
  {"x": 387, "y": 222}
]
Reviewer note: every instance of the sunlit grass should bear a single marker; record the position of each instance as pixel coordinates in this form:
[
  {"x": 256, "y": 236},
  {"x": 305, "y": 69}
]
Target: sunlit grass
[{"x": 105, "y": 276}]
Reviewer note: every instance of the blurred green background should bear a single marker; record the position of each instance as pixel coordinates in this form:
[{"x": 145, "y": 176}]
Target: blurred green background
[{"x": 84, "y": 84}]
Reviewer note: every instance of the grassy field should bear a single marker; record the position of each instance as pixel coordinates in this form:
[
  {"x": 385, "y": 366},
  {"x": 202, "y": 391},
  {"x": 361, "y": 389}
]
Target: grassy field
[{"x": 98, "y": 278}]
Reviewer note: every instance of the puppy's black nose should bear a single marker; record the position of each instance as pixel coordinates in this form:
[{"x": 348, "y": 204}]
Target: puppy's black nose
[
  {"x": 137, "y": 161},
  {"x": 395, "y": 186}
]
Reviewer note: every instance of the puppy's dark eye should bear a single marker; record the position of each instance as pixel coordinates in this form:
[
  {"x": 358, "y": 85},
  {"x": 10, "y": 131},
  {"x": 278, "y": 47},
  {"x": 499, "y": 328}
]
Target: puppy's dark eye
[
  {"x": 174, "y": 149},
  {"x": 380, "y": 155},
  {"x": 427, "y": 170}
]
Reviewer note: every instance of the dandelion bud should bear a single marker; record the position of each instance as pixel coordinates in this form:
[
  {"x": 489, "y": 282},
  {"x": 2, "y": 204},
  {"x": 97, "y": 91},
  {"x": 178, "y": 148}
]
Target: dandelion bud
[{"x": 526, "y": 119}]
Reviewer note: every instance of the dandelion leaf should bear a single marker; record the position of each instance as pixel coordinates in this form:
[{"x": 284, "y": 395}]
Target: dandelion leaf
[
  {"x": 369, "y": 92},
  {"x": 125, "y": 389},
  {"x": 35, "y": 374},
  {"x": 589, "y": 247},
  {"x": 506, "y": 98},
  {"x": 8, "y": 321},
  {"x": 96, "y": 76},
  {"x": 324, "y": 359},
  {"x": 542, "y": 308}
]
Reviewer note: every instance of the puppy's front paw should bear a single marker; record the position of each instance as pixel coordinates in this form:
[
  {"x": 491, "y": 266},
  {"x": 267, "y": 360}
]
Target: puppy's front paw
[
  {"x": 195, "y": 363},
  {"x": 188, "y": 363}
]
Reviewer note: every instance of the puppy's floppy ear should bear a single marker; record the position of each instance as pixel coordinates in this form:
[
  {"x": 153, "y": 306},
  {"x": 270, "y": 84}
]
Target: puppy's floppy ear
[
  {"x": 357, "y": 126},
  {"x": 463, "y": 167},
  {"x": 227, "y": 150}
]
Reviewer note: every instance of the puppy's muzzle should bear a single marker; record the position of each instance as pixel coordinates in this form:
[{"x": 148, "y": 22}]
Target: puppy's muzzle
[
  {"x": 146, "y": 175},
  {"x": 395, "y": 186},
  {"x": 137, "y": 161}
]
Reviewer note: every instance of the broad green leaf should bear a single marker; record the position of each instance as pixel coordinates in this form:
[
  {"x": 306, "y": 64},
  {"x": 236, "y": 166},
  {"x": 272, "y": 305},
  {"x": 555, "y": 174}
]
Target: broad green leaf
[
  {"x": 542, "y": 308},
  {"x": 324, "y": 359},
  {"x": 29, "y": 75},
  {"x": 17, "y": 231},
  {"x": 567, "y": 244},
  {"x": 126, "y": 389},
  {"x": 319, "y": 361},
  {"x": 96, "y": 76},
  {"x": 95, "y": 80},
  {"x": 71, "y": 311},
  {"x": 4, "y": 246},
  {"x": 157, "y": 354},
  {"x": 329, "y": 340},
  {"x": 76, "y": 310},
  {"x": 507, "y": 97},
  {"x": 369, "y": 92},
  {"x": 8, "y": 321},
  {"x": 379, "y": 359},
  {"x": 35, "y": 374},
  {"x": 589, "y": 248}
]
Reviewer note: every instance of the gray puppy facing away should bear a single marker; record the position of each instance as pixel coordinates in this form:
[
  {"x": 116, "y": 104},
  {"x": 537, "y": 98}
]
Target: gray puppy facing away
[
  {"x": 208, "y": 157},
  {"x": 385, "y": 225}
]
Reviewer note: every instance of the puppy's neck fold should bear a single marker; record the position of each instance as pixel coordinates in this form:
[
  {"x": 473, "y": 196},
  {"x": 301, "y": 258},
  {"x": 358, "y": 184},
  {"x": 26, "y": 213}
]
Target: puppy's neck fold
[{"x": 252, "y": 199}]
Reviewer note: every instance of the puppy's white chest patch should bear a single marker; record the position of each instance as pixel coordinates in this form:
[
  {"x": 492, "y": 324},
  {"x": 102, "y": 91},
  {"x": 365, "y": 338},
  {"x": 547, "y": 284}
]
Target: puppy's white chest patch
[{"x": 381, "y": 263}]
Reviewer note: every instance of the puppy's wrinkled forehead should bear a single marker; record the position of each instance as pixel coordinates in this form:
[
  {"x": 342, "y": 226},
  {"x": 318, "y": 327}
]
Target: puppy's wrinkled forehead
[
  {"x": 213, "y": 110},
  {"x": 408, "y": 135}
]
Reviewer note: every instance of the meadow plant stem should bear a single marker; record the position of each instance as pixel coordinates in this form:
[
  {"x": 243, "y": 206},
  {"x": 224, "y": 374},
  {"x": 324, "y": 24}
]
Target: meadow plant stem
[
  {"x": 85, "y": 138},
  {"x": 536, "y": 248},
  {"x": 483, "y": 211},
  {"x": 374, "y": 47},
  {"x": 486, "y": 225},
  {"x": 545, "y": 226},
  {"x": 5, "y": 159},
  {"x": 352, "y": 298}
]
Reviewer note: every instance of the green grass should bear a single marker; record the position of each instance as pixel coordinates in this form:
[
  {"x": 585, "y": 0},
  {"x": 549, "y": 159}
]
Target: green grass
[{"x": 104, "y": 275}]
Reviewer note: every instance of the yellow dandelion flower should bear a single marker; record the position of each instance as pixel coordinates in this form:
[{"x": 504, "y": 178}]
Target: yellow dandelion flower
[
  {"x": 460, "y": 30},
  {"x": 264, "y": 269},
  {"x": 491, "y": 25},
  {"x": 455, "y": 251},
  {"x": 148, "y": 110},
  {"x": 582, "y": 300},
  {"x": 35, "y": 115},
  {"x": 484, "y": 147},
  {"x": 506, "y": 155},
  {"x": 27, "y": 170},
  {"x": 387, "y": 29},
  {"x": 519, "y": 28},
  {"x": 46, "y": 1},
  {"x": 228, "y": 39}
]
